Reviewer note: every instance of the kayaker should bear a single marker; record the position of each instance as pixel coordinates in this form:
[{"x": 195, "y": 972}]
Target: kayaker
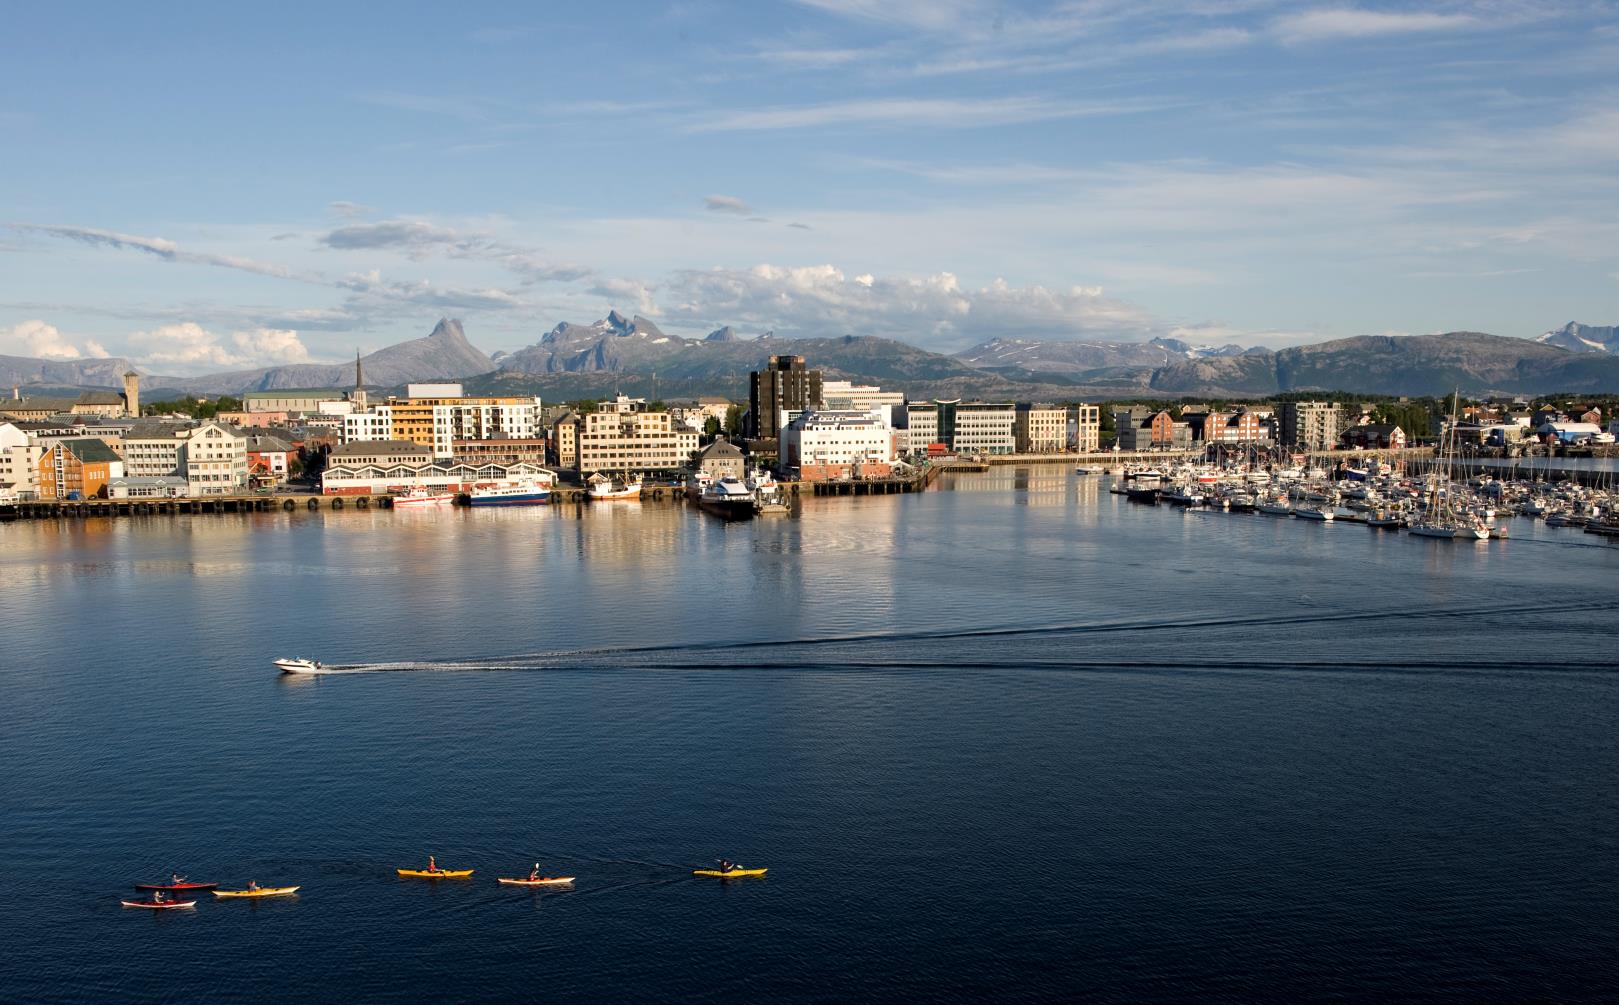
[
  {"x": 534, "y": 873},
  {"x": 253, "y": 884},
  {"x": 157, "y": 896},
  {"x": 175, "y": 879},
  {"x": 432, "y": 864},
  {"x": 726, "y": 865}
]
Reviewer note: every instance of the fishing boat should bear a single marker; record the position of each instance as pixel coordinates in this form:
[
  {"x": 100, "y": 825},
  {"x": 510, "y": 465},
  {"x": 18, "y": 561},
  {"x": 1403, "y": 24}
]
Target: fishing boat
[
  {"x": 422, "y": 497},
  {"x": 728, "y": 497},
  {"x": 300, "y": 666},
  {"x": 603, "y": 489},
  {"x": 522, "y": 492},
  {"x": 262, "y": 891}
]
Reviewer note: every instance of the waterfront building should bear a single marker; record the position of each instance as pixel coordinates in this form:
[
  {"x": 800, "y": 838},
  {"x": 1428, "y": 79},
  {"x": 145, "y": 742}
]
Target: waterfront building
[
  {"x": 211, "y": 457},
  {"x": 1140, "y": 429},
  {"x": 785, "y": 383},
  {"x": 565, "y": 440},
  {"x": 825, "y": 445},
  {"x": 978, "y": 427},
  {"x": 621, "y": 437},
  {"x": 400, "y": 465},
  {"x": 1375, "y": 436},
  {"x": 148, "y": 487},
  {"x": 502, "y": 450},
  {"x": 269, "y": 459},
  {"x": 19, "y": 462},
  {"x": 439, "y": 415},
  {"x": 1085, "y": 428},
  {"x": 1040, "y": 428},
  {"x": 722, "y": 459},
  {"x": 1241, "y": 426},
  {"x": 1310, "y": 425},
  {"x": 921, "y": 429},
  {"x": 77, "y": 469}
]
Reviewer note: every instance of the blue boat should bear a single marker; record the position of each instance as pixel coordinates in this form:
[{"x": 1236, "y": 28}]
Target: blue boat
[{"x": 522, "y": 493}]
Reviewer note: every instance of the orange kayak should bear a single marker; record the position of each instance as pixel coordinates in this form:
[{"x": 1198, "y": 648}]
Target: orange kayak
[{"x": 436, "y": 873}]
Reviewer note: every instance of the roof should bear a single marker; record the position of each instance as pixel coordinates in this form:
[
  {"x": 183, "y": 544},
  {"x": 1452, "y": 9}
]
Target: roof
[
  {"x": 36, "y": 404},
  {"x": 268, "y": 444},
  {"x": 100, "y": 398},
  {"x": 91, "y": 450},
  {"x": 374, "y": 447},
  {"x": 720, "y": 448},
  {"x": 154, "y": 430}
]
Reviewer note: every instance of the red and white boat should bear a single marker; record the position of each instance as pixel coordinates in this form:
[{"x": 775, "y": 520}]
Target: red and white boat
[
  {"x": 159, "y": 905},
  {"x": 421, "y": 496}
]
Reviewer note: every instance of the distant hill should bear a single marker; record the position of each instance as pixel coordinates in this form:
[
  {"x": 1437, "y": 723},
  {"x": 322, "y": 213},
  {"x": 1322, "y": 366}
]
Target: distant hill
[
  {"x": 444, "y": 353},
  {"x": 1576, "y": 337},
  {"x": 30, "y": 372},
  {"x": 624, "y": 353}
]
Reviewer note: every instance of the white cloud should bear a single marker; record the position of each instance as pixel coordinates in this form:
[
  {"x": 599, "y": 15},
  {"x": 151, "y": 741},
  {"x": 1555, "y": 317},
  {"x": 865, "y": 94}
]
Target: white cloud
[
  {"x": 626, "y": 291},
  {"x": 188, "y": 345},
  {"x": 272, "y": 345},
  {"x": 823, "y": 300},
  {"x": 45, "y": 341},
  {"x": 727, "y": 204},
  {"x": 1349, "y": 22},
  {"x": 350, "y": 210}
]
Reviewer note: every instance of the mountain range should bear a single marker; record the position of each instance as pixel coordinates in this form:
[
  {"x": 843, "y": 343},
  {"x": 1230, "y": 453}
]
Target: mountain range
[{"x": 633, "y": 354}]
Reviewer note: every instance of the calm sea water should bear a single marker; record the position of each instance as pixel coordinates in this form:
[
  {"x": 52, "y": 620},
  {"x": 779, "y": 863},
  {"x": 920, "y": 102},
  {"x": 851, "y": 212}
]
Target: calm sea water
[{"x": 1015, "y": 740}]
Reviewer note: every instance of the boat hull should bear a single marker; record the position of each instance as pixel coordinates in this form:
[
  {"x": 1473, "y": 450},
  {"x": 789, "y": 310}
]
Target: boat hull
[
  {"x": 733, "y": 874},
  {"x": 167, "y": 905},
  {"x": 729, "y": 509},
  {"x": 545, "y": 881},
  {"x": 175, "y": 887},
  {"x": 525, "y": 499},
  {"x": 440, "y": 874},
  {"x": 267, "y": 891}
]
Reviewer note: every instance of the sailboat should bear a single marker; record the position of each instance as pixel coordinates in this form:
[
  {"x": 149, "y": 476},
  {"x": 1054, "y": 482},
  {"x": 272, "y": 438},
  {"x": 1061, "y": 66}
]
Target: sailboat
[{"x": 1441, "y": 519}]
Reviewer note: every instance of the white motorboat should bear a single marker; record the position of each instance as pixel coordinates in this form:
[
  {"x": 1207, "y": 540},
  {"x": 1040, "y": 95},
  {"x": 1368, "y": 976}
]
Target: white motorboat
[
  {"x": 728, "y": 497},
  {"x": 422, "y": 496},
  {"x": 300, "y": 666},
  {"x": 519, "y": 492},
  {"x": 1313, "y": 513}
]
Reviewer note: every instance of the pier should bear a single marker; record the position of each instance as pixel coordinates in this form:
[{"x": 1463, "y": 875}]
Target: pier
[{"x": 53, "y": 509}]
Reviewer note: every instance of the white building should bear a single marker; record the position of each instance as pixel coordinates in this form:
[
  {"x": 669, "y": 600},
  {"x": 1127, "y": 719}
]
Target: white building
[
  {"x": 847, "y": 396},
  {"x": 1040, "y": 429},
  {"x": 921, "y": 427},
  {"x": 1085, "y": 428},
  {"x": 212, "y": 457},
  {"x": 368, "y": 427},
  {"x": 19, "y": 463},
  {"x": 827, "y": 444},
  {"x": 399, "y": 465},
  {"x": 979, "y": 427}
]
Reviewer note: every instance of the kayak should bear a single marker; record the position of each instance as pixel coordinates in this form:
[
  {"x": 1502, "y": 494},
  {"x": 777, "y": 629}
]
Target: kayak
[
  {"x": 171, "y": 887},
  {"x": 728, "y": 875},
  {"x": 542, "y": 881},
  {"x": 439, "y": 874},
  {"x": 159, "y": 905},
  {"x": 263, "y": 891}
]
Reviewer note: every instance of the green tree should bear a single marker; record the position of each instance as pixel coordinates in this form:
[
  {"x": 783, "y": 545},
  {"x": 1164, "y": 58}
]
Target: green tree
[
  {"x": 733, "y": 420},
  {"x": 711, "y": 427}
]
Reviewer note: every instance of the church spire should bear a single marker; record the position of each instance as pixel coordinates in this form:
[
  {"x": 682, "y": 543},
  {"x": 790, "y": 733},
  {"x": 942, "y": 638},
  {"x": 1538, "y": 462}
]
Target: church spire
[{"x": 358, "y": 399}]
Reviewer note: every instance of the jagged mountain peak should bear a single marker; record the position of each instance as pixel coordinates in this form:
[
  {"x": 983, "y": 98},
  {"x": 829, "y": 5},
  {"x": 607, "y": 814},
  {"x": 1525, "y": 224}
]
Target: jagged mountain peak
[
  {"x": 1577, "y": 337},
  {"x": 722, "y": 335}
]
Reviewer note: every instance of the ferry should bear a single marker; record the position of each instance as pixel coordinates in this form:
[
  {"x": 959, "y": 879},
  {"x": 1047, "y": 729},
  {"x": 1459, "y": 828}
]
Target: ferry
[
  {"x": 728, "y": 497},
  {"x": 526, "y": 492},
  {"x": 422, "y": 496},
  {"x": 300, "y": 666}
]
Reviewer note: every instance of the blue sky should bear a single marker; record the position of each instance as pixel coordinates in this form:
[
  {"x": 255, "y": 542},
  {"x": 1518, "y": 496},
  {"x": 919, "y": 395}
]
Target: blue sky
[{"x": 203, "y": 187}]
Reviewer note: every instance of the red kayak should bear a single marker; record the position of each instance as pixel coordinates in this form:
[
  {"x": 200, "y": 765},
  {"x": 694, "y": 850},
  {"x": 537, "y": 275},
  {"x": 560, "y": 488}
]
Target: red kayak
[{"x": 172, "y": 887}]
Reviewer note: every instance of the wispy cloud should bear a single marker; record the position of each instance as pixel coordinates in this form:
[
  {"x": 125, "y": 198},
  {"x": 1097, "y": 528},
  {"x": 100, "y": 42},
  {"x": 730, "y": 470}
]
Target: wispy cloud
[
  {"x": 1351, "y": 22},
  {"x": 949, "y": 113},
  {"x": 727, "y": 204},
  {"x": 164, "y": 249}
]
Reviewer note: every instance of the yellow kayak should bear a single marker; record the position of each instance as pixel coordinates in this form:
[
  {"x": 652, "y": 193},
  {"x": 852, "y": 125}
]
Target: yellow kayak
[
  {"x": 728, "y": 875},
  {"x": 263, "y": 891},
  {"x": 437, "y": 874}
]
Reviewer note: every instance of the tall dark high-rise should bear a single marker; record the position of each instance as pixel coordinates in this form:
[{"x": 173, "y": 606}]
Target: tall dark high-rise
[{"x": 785, "y": 383}]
